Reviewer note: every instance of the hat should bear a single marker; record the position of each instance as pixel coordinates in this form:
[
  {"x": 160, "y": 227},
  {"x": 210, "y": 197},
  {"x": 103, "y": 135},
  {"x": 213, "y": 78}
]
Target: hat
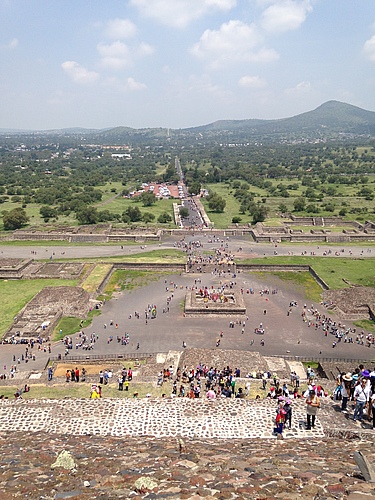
[
  {"x": 348, "y": 377},
  {"x": 365, "y": 373},
  {"x": 312, "y": 391}
]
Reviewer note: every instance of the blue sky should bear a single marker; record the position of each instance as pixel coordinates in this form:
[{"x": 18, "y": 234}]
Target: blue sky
[{"x": 180, "y": 63}]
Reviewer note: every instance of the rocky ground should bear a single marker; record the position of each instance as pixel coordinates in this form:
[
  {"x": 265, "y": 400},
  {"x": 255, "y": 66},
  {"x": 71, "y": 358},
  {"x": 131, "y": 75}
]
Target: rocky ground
[
  {"x": 68, "y": 459},
  {"x": 113, "y": 468}
]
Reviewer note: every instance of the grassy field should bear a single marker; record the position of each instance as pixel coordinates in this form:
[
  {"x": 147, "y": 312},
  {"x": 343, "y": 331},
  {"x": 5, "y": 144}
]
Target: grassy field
[
  {"x": 345, "y": 197},
  {"x": 304, "y": 279},
  {"x": 16, "y": 293},
  {"x": 81, "y": 390},
  {"x": 130, "y": 279},
  {"x": 69, "y": 325},
  {"x": 332, "y": 271},
  {"x": 95, "y": 278}
]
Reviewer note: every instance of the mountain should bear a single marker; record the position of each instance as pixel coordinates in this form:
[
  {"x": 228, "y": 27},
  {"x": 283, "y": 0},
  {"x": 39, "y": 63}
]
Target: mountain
[
  {"x": 331, "y": 120},
  {"x": 332, "y": 117}
]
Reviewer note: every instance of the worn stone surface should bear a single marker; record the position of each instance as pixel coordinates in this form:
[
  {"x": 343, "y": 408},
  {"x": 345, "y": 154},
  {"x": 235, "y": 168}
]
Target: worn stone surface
[
  {"x": 155, "y": 468},
  {"x": 159, "y": 449}
]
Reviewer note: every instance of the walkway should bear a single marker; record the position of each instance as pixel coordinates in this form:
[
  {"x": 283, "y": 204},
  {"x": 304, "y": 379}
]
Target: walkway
[{"x": 199, "y": 418}]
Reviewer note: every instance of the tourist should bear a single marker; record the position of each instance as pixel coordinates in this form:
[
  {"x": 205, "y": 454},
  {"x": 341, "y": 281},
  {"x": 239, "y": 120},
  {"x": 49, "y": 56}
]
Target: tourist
[
  {"x": 101, "y": 377},
  {"x": 312, "y": 405},
  {"x": 361, "y": 396},
  {"x": 372, "y": 402},
  {"x": 211, "y": 394},
  {"x": 83, "y": 375},
  {"x": 280, "y": 418},
  {"x": 345, "y": 390},
  {"x": 50, "y": 373},
  {"x": 77, "y": 374},
  {"x": 95, "y": 394},
  {"x": 288, "y": 413}
]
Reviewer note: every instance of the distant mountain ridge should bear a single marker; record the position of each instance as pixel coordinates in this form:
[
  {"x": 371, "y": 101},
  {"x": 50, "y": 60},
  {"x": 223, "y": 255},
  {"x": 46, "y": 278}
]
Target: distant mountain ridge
[
  {"x": 334, "y": 115},
  {"x": 329, "y": 119}
]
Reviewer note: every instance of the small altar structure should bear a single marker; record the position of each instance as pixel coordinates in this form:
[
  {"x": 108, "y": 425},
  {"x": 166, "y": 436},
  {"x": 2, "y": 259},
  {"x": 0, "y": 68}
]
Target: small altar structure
[{"x": 214, "y": 302}]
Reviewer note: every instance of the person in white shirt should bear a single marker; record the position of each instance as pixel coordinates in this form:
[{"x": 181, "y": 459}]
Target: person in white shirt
[{"x": 361, "y": 396}]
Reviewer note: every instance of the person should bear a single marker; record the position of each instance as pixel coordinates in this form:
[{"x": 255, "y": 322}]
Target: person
[
  {"x": 345, "y": 390},
  {"x": 288, "y": 413},
  {"x": 211, "y": 394},
  {"x": 280, "y": 418},
  {"x": 50, "y": 373},
  {"x": 373, "y": 410},
  {"x": 361, "y": 396},
  {"x": 312, "y": 405},
  {"x": 83, "y": 371},
  {"x": 94, "y": 392}
]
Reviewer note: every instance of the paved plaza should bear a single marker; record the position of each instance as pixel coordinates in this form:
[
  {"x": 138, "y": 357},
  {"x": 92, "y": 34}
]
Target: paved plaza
[{"x": 160, "y": 418}]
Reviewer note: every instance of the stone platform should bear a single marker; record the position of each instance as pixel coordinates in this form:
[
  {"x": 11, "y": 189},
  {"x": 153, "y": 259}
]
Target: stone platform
[
  {"x": 160, "y": 418},
  {"x": 229, "y": 303}
]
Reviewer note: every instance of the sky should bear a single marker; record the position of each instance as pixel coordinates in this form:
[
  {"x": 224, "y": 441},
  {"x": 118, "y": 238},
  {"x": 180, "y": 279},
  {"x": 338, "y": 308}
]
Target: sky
[{"x": 180, "y": 63}]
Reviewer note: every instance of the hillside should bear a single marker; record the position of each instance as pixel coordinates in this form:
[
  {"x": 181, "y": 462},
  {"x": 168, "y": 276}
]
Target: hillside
[{"x": 331, "y": 120}]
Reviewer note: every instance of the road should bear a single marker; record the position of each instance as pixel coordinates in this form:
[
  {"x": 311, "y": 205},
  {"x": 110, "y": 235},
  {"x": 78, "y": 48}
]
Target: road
[{"x": 240, "y": 246}]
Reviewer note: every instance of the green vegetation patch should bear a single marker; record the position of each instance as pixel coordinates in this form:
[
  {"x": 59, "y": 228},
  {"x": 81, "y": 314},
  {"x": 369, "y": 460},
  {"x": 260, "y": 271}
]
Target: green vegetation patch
[
  {"x": 365, "y": 324},
  {"x": 123, "y": 279},
  {"x": 311, "y": 288},
  {"x": 95, "y": 278},
  {"x": 332, "y": 270},
  {"x": 15, "y": 294}
]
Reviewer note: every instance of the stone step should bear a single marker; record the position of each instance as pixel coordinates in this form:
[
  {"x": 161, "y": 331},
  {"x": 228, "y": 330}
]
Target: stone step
[{"x": 198, "y": 418}]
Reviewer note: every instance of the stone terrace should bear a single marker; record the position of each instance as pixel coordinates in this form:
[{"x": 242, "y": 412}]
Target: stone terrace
[{"x": 202, "y": 449}]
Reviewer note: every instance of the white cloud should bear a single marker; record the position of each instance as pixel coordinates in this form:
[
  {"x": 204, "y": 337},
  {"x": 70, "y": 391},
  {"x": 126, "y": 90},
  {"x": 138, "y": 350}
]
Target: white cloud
[
  {"x": 179, "y": 13},
  {"x": 254, "y": 82},
  {"x": 11, "y": 45},
  {"x": 300, "y": 88},
  {"x": 121, "y": 85},
  {"x": 118, "y": 29},
  {"x": 369, "y": 48},
  {"x": 144, "y": 49},
  {"x": 78, "y": 73},
  {"x": 285, "y": 15},
  {"x": 115, "y": 55},
  {"x": 234, "y": 42},
  {"x": 118, "y": 55},
  {"x": 134, "y": 85}
]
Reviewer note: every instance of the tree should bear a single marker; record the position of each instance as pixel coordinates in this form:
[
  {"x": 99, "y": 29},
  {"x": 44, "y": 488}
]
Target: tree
[
  {"x": 283, "y": 208},
  {"x": 134, "y": 214},
  {"x": 184, "y": 212},
  {"x": 148, "y": 217},
  {"x": 195, "y": 187},
  {"x": 15, "y": 219},
  {"x": 217, "y": 203},
  {"x": 299, "y": 204},
  {"x": 259, "y": 213},
  {"x": 87, "y": 215},
  {"x": 47, "y": 213},
  {"x": 148, "y": 198},
  {"x": 164, "y": 218}
]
